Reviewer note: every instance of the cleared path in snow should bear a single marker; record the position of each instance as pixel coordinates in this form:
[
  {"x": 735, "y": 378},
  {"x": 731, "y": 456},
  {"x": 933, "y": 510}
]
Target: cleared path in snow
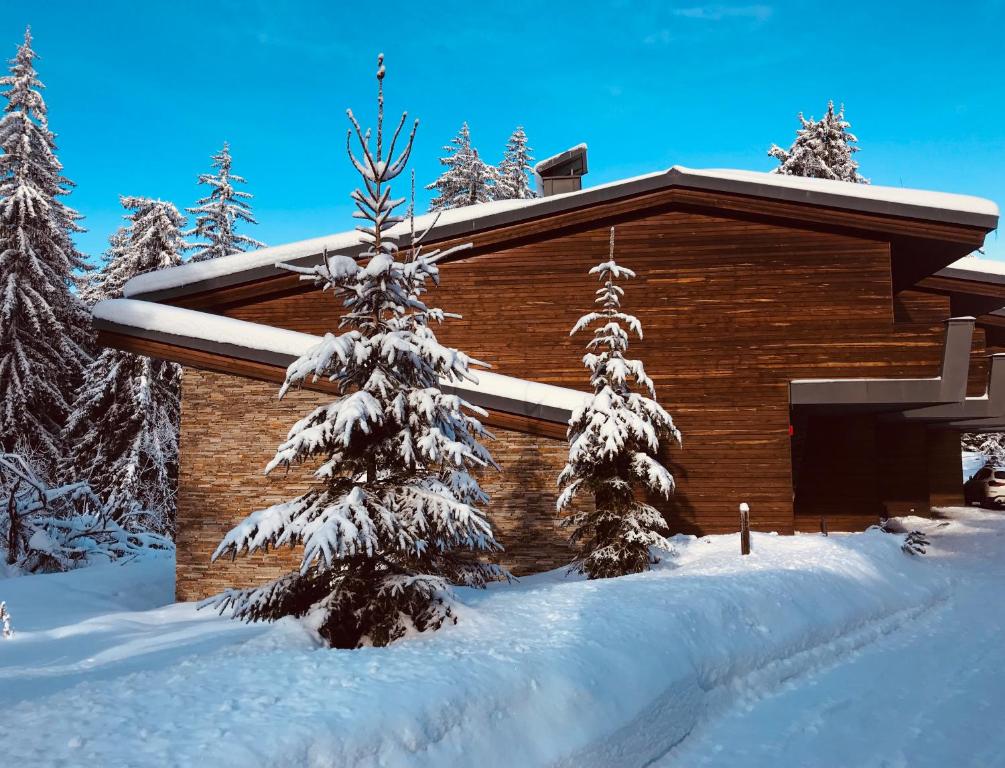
[{"x": 931, "y": 693}]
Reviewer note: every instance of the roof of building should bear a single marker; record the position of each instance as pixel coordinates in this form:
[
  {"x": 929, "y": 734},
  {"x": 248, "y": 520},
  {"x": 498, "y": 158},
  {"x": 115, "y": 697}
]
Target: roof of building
[
  {"x": 460, "y": 222},
  {"x": 277, "y": 346},
  {"x": 977, "y": 269}
]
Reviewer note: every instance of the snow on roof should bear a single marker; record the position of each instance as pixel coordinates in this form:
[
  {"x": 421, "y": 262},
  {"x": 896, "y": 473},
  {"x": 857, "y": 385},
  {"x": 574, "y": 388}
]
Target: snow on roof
[
  {"x": 459, "y": 222},
  {"x": 178, "y": 324},
  {"x": 976, "y": 268},
  {"x": 918, "y": 198},
  {"x": 561, "y": 157}
]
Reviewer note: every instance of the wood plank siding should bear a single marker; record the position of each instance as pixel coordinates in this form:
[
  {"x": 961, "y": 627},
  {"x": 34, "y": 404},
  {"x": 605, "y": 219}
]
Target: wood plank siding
[{"x": 733, "y": 309}]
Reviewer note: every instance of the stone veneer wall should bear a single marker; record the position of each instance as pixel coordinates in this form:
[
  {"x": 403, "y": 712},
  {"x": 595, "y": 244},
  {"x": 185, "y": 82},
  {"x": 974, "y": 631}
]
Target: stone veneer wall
[{"x": 230, "y": 429}]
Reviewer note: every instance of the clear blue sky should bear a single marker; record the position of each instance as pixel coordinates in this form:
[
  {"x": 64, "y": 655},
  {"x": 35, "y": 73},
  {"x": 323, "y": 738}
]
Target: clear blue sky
[{"x": 141, "y": 94}]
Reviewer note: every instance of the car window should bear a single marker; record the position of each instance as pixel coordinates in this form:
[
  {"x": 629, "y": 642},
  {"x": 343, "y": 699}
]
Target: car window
[{"x": 1000, "y": 474}]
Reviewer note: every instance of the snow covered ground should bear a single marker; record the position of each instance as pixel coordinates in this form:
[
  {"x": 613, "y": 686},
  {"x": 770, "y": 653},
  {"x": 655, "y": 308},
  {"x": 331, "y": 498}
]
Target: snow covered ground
[
  {"x": 930, "y": 694},
  {"x": 811, "y": 651}
]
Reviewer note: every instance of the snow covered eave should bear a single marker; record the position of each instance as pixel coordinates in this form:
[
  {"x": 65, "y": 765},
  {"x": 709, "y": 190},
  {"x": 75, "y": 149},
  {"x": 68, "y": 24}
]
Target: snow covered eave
[
  {"x": 461, "y": 222},
  {"x": 975, "y": 269},
  {"x": 230, "y": 338},
  {"x": 949, "y": 387}
]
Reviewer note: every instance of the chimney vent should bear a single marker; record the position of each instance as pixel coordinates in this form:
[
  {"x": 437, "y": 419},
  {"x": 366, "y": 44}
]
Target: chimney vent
[{"x": 562, "y": 172}]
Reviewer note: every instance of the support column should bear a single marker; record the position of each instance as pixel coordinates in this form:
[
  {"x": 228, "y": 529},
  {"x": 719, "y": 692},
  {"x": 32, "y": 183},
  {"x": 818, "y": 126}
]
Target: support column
[
  {"x": 902, "y": 449},
  {"x": 945, "y": 469}
]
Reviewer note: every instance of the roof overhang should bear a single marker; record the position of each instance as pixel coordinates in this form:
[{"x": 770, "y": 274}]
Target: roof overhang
[
  {"x": 880, "y": 395},
  {"x": 227, "y": 345}
]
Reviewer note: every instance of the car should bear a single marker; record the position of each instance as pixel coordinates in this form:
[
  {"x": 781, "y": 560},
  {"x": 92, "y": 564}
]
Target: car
[{"x": 986, "y": 488}]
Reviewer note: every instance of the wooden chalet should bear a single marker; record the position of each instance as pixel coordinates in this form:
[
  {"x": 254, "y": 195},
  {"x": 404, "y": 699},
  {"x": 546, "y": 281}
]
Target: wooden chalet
[{"x": 820, "y": 345}]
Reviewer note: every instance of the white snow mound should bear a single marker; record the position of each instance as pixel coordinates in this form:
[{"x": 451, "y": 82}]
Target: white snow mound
[{"x": 552, "y": 670}]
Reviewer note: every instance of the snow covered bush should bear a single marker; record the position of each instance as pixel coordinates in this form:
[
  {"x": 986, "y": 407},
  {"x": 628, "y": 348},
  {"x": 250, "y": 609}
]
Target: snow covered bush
[
  {"x": 991, "y": 444},
  {"x": 823, "y": 149},
  {"x": 390, "y": 523},
  {"x": 123, "y": 430},
  {"x": 218, "y": 213},
  {"x": 614, "y": 443},
  {"x": 44, "y": 529},
  {"x": 467, "y": 180},
  {"x": 44, "y": 329}
]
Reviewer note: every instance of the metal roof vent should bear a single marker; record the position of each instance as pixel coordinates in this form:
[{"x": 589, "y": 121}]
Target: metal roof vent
[{"x": 562, "y": 172}]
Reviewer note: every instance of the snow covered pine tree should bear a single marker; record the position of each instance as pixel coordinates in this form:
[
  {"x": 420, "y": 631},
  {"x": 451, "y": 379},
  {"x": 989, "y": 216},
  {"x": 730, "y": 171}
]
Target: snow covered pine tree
[
  {"x": 44, "y": 328},
  {"x": 513, "y": 174},
  {"x": 614, "y": 443},
  {"x": 823, "y": 149},
  {"x": 393, "y": 499},
  {"x": 124, "y": 423},
  {"x": 467, "y": 179},
  {"x": 218, "y": 213}
]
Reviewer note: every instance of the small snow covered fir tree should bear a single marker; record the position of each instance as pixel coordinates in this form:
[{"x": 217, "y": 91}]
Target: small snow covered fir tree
[
  {"x": 123, "y": 430},
  {"x": 390, "y": 522},
  {"x": 614, "y": 443},
  {"x": 466, "y": 180},
  {"x": 217, "y": 214},
  {"x": 823, "y": 149},
  {"x": 513, "y": 174},
  {"x": 44, "y": 328}
]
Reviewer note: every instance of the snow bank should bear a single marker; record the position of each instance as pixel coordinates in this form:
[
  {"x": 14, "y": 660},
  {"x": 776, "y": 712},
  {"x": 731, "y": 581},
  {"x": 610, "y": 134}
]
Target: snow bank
[
  {"x": 189, "y": 323},
  {"x": 551, "y": 670}
]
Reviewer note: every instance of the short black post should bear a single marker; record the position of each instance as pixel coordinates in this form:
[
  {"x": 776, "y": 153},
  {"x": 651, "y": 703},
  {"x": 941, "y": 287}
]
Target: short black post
[
  {"x": 823, "y": 525},
  {"x": 744, "y": 529}
]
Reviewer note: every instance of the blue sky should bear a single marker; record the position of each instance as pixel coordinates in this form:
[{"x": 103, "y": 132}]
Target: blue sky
[{"x": 141, "y": 94}]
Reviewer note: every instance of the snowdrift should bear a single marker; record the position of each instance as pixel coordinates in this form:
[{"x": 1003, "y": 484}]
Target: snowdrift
[{"x": 549, "y": 671}]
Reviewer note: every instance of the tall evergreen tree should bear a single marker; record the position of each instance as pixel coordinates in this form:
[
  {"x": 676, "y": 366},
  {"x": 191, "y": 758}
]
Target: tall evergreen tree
[
  {"x": 614, "y": 443},
  {"x": 466, "y": 180},
  {"x": 218, "y": 213},
  {"x": 44, "y": 328},
  {"x": 513, "y": 174},
  {"x": 823, "y": 149},
  {"x": 124, "y": 423},
  {"x": 393, "y": 501}
]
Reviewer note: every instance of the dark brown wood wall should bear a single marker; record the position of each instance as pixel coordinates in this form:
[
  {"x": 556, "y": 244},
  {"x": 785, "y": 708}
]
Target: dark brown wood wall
[
  {"x": 230, "y": 429},
  {"x": 732, "y": 310}
]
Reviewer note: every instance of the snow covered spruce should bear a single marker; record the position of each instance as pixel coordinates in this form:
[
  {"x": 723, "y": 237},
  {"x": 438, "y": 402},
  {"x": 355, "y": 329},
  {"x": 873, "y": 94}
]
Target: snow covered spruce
[
  {"x": 614, "y": 443},
  {"x": 44, "y": 329},
  {"x": 124, "y": 424},
  {"x": 218, "y": 213},
  {"x": 512, "y": 178},
  {"x": 467, "y": 180},
  {"x": 390, "y": 523},
  {"x": 823, "y": 149}
]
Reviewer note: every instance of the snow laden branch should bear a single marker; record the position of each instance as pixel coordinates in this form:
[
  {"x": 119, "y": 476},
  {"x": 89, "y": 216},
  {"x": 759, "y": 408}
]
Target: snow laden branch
[
  {"x": 391, "y": 521},
  {"x": 46, "y": 529},
  {"x": 615, "y": 439}
]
